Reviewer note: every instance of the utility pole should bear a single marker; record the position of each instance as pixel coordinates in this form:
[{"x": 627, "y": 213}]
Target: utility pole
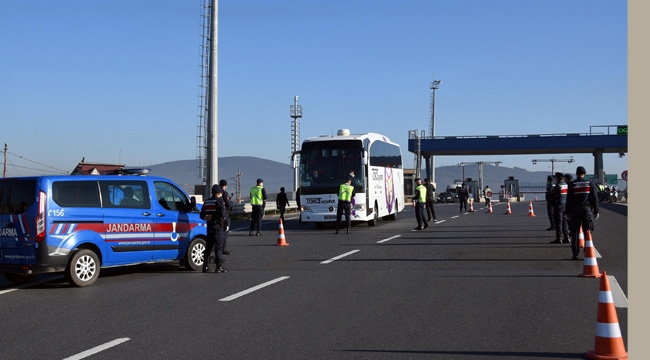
[
  {"x": 480, "y": 170},
  {"x": 553, "y": 161},
  {"x": 4, "y": 166},
  {"x": 212, "y": 155},
  {"x": 431, "y": 164},
  {"x": 295, "y": 112}
]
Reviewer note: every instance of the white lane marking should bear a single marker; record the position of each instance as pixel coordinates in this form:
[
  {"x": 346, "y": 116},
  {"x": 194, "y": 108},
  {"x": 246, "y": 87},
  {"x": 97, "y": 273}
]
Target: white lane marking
[
  {"x": 97, "y": 349},
  {"x": 339, "y": 257},
  {"x": 597, "y": 254},
  {"x": 455, "y": 216},
  {"x": 254, "y": 288},
  {"x": 389, "y": 239},
  {"x": 440, "y": 221},
  {"x": 617, "y": 293},
  {"x": 24, "y": 286}
]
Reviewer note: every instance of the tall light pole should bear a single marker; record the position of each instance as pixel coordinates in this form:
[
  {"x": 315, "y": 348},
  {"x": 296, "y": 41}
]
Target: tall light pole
[
  {"x": 295, "y": 112},
  {"x": 212, "y": 155},
  {"x": 431, "y": 164}
]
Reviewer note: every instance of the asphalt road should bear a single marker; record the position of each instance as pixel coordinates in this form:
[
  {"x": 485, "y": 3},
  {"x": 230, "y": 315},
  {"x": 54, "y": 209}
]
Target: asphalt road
[{"x": 472, "y": 286}]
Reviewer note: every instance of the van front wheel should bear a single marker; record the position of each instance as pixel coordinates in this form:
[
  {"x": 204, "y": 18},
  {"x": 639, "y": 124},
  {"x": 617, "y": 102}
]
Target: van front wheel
[
  {"x": 83, "y": 268},
  {"x": 194, "y": 256}
]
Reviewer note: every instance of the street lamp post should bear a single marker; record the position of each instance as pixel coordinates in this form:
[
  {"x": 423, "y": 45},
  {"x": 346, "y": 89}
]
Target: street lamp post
[{"x": 435, "y": 85}]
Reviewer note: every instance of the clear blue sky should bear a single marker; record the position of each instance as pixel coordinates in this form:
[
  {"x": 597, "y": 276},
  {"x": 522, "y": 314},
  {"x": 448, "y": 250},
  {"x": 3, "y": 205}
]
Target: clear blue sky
[{"x": 117, "y": 81}]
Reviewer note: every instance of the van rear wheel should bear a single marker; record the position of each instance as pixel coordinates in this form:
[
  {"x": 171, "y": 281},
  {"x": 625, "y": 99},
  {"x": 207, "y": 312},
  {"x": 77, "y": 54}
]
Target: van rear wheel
[
  {"x": 83, "y": 268},
  {"x": 19, "y": 278},
  {"x": 194, "y": 256}
]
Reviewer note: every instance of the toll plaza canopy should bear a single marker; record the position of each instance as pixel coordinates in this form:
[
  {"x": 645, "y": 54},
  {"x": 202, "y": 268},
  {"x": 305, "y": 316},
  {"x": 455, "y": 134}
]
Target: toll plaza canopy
[
  {"x": 600, "y": 139},
  {"x": 519, "y": 144}
]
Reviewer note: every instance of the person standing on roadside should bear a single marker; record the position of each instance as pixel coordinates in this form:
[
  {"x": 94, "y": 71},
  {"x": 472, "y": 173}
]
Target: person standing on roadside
[
  {"x": 582, "y": 205},
  {"x": 346, "y": 193},
  {"x": 463, "y": 196},
  {"x": 281, "y": 203},
  {"x": 227, "y": 200},
  {"x": 487, "y": 193},
  {"x": 560, "y": 192},
  {"x": 258, "y": 201},
  {"x": 419, "y": 201},
  {"x": 214, "y": 214},
  {"x": 549, "y": 202},
  {"x": 431, "y": 198}
]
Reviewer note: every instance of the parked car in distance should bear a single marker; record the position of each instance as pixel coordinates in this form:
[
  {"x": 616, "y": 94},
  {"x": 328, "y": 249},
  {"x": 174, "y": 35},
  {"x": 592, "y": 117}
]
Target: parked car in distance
[{"x": 445, "y": 197}]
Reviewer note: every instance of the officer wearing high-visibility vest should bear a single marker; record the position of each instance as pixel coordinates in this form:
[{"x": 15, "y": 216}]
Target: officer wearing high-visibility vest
[
  {"x": 419, "y": 201},
  {"x": 214, "y": 214},
  {"x": 346, "y": 194},
  {"x": 487, "y": 193},
  {"x": 258, "y": 201}
]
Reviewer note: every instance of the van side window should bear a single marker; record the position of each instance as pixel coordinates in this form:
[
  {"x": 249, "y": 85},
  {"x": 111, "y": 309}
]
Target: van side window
[
  {"x": 170, "y": 197},
  {"x": 76, "y": 193},
  {"x": 132, "y": 194}
]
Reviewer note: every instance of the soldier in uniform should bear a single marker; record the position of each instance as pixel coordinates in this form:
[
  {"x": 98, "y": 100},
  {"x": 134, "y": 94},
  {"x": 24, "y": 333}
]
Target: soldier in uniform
[
  {"x": 560, "y": 218},
  {"x": 582, "y": 207},
  {"x": 227, "y": 199},
  {"x": 549, "y": 202},
  {"x": 463, "y": 196},
  {"x": 214, "y": 214}
]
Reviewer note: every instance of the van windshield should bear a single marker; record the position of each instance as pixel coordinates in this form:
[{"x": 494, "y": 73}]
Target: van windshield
[{"x": 16, "y": 195}]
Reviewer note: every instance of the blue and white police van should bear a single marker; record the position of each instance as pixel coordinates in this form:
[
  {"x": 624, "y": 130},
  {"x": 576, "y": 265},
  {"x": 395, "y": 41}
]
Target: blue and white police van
[{"x": 78, "y": 224}]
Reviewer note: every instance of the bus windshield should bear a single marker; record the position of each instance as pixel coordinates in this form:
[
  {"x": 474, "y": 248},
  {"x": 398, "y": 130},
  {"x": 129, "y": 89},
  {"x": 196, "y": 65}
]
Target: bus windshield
[{"x": 325, "y": 165}]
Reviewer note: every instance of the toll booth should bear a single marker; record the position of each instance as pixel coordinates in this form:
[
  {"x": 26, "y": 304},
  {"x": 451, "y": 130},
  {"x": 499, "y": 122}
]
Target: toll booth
[
  {"x": 510, "y": 190},
  {"x": 474, "y": 191}
]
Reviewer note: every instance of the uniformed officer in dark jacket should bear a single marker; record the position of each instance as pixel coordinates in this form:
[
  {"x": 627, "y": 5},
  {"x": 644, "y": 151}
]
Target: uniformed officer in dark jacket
[
  {"x": 559, "y": 205},
  {"x": 549, "y": 201},
  {"x": 227, "y": 200},
  {"x": 582, "y": 206},
  {"x": 214, "y": 214},
  {"x": 463, "y": 196}
]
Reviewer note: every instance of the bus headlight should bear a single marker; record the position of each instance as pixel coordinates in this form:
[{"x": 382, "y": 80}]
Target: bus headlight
[
  {"x": 305, "y": 208},
  {"x": 360, "y": 207}
]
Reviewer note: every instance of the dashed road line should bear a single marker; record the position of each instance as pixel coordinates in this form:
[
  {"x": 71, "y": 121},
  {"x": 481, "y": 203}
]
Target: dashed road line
[
  {"x": 97, "y": 349},
  {"x": 254, "y": 288},
  {"x": 339, "y": 257},
  {"x": 620, "y": 301},
  {"x": 389, "y": 239}
]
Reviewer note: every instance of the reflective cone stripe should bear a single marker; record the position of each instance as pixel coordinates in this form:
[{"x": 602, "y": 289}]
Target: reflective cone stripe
[
  {"x": 281, "y": 239},
  {"x": 581, "y": 238},
  {"x": 609, "y": 342},
  {"x": 590, "y": 268},
  {"x": 530, "y": 209},
  {"x": 508, "y": 210}
]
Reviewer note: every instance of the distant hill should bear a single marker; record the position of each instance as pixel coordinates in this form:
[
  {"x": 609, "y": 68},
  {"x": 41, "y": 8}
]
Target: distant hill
[{"x": 276, "y": 174}]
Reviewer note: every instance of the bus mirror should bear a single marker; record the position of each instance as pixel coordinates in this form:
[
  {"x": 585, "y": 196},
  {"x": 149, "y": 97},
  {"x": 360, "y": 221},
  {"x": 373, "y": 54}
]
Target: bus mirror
[{"x": 363, "y": 160}]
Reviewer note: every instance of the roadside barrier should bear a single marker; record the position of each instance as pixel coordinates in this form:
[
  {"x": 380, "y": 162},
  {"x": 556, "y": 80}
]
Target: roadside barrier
[
  {"x": 609, "y": 342},
  {"x": 281, "y": 239},
  {"x": 530, "y": 209},
  {"x": 590, "y": 268}
]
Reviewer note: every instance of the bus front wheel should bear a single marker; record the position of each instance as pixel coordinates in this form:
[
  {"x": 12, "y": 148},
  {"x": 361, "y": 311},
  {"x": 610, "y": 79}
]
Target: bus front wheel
[{"x": 375, "y": 217}]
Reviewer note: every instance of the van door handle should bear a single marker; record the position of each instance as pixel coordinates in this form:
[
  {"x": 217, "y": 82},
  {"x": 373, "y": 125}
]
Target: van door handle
[
  {"x": 160, "y": 214},
  {"x": 146, "y": 213}
]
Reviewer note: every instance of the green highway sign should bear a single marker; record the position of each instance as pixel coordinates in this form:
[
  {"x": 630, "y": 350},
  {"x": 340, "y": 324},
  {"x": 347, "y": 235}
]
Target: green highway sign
[{"x": 621, "y": 130}]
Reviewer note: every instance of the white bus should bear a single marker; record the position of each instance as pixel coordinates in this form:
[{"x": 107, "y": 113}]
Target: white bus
[{"x": 326, "y": 162}]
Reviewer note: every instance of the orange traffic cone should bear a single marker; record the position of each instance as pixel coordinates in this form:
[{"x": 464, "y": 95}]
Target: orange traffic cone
[
  {"x": 581, "y": 238},
  {"x": 508, "y": 210},
  {"x": 609, "y": 342},
  {"x": 281, "y": 240},
  {"x": 590, "y": 268},
  {"x": 530, "y": 209},
  {"x": 471, "y": 206},
  {"x": 490, "y": 208}
]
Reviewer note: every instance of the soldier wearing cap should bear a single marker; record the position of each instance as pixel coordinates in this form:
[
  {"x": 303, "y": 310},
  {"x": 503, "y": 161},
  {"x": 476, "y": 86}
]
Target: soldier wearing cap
[
  {"x": 214, "y": 214},
  {"x": 582, "y": 208},
  {"x": 346, "y": 194},
  {"x": 227, "y": 200},
  {"x": 258, "y": 201},
  {"x": 560, "y": 218},
  {"x": 550, "y": 185},
  {"x": 419, "y": 201}
]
